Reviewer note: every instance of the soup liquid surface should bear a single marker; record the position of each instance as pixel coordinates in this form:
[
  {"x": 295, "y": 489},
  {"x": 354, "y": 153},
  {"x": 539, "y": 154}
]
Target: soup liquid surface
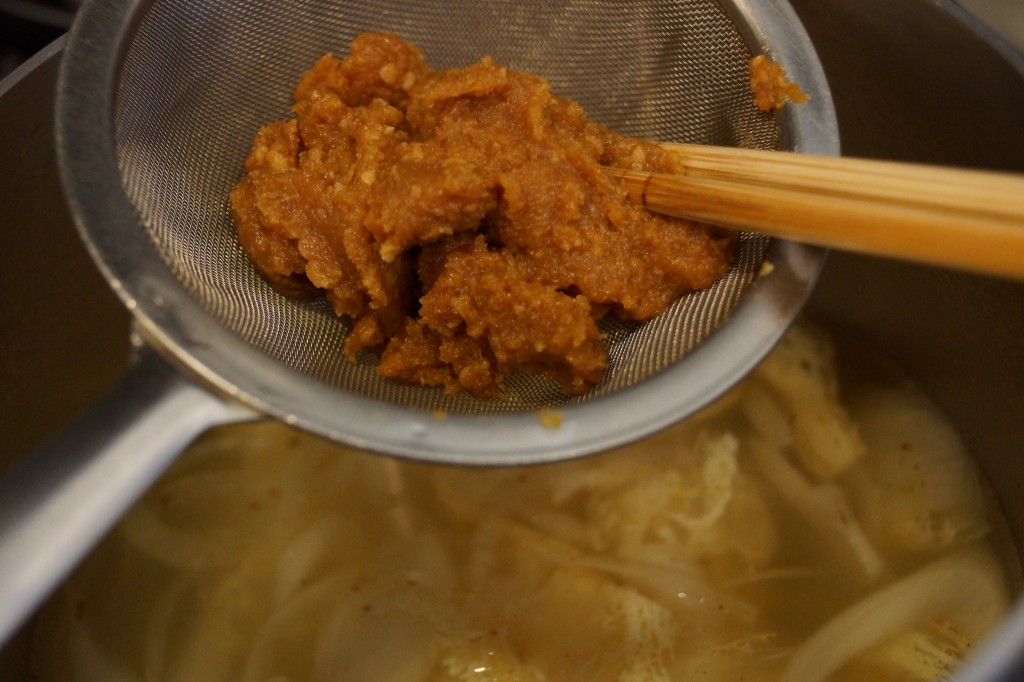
[{"x": 798, "y": 530}]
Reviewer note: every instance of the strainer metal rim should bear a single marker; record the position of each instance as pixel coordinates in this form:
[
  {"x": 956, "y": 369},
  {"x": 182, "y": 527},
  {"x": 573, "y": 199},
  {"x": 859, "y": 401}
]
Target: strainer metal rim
[{"x": 190, "y": 338}]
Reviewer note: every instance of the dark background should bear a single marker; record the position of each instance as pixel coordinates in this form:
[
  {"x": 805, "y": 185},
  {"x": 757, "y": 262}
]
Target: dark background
[{"x": 26, "y": 26}]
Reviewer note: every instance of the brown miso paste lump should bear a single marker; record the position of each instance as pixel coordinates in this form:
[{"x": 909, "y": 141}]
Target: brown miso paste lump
[{"x": 462, "y": 219}]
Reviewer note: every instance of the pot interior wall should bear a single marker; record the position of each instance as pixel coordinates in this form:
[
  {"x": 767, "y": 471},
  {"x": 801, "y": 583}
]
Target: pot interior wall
[{"x": 923, "y": 82}]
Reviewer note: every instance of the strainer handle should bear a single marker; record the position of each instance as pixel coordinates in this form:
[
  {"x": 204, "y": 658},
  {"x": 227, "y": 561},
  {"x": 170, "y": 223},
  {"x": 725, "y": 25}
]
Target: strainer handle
[{"x": 61, "y": 500}]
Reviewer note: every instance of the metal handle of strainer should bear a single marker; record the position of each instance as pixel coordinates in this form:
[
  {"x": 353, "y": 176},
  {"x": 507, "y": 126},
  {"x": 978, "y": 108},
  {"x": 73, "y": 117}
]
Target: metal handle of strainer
[{"x": 60, "y": 501}]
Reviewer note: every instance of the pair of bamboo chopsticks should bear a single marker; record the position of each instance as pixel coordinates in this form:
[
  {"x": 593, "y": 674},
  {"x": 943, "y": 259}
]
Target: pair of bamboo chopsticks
[{"x": 964, "y": 219}]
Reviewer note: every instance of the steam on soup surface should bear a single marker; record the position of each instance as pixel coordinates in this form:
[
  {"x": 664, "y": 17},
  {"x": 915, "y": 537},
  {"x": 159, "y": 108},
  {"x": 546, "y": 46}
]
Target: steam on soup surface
[{"x": 786, "y": 533}]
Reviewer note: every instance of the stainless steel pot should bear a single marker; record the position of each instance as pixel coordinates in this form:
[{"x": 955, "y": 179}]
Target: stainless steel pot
[{"x": 912, "y": 80}]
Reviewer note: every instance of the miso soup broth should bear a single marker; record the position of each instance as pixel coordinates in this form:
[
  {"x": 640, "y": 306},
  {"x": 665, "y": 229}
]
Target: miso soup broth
[{"x": 804, "y": 528}]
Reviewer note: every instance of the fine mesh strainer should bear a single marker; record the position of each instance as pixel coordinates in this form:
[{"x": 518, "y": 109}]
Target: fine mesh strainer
[
  {"x": 158, "y": 103},
  {"x": 172, "y": 94}
]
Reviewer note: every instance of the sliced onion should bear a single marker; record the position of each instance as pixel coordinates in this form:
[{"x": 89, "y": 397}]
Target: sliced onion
[{"x": 966, "y": 587}]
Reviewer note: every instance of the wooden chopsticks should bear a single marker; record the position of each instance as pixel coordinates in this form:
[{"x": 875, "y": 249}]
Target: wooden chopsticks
[{"x": 964, "y": 219}]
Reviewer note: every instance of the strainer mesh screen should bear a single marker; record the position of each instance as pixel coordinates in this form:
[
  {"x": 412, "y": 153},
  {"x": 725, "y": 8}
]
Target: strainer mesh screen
[{"x": 200, "y": 78}]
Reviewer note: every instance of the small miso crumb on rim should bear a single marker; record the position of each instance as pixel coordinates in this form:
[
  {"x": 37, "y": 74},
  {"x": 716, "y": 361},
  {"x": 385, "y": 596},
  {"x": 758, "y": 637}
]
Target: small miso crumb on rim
[
  {"x": 439, "y": 415},
  {"x": 766, "y": 268},
  {"x": 549, "y": 418},
  {"x": 771, "y": 87}
]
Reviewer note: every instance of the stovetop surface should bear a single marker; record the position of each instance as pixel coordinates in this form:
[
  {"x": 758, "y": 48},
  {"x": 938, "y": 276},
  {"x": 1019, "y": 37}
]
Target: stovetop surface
[{"x": 26, "y": 26}]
